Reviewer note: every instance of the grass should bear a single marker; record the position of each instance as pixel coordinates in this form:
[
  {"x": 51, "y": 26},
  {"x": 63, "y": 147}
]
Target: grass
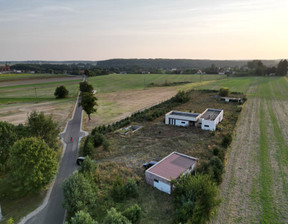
[
  {"x": 118, "y": 82},
  {"x": 7, "y": 77}
]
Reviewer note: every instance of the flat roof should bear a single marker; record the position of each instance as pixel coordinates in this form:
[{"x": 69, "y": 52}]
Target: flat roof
[
  {"x": 173, "y": 165},
  {"x": 186, "y": 114},
  {"x": 211, "y": 114}
]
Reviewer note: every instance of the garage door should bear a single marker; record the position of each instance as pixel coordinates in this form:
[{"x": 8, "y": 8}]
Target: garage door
[{"x": 162, "y": 186}]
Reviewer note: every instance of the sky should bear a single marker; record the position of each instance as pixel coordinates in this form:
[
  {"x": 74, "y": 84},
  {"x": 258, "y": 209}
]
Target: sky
[{"x": 106, "y": 29}]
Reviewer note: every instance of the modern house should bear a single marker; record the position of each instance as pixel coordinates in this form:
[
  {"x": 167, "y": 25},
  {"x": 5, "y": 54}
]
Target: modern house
[
  {"x": 208, "y": 120},
  {"x": 169, "y": 168},
  {"x": 179, "y": 118}
]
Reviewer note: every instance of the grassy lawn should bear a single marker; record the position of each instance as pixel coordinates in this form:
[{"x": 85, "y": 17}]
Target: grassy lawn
[
  {"x": 6, "y": 77},
  {"x": 153, "y": 142}
]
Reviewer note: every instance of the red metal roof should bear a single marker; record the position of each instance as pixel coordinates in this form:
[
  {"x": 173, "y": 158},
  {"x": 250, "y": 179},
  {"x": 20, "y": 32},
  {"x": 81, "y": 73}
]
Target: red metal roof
[{"x": 173, "y": 165}]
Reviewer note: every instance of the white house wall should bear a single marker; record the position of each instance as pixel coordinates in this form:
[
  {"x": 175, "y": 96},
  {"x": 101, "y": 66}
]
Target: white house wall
[{"x": 208, "y": 125}]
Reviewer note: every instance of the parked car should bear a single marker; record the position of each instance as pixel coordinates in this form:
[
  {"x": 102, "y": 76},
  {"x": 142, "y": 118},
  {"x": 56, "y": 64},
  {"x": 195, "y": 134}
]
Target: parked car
[
  {"x": 147, "y": 165},
  {"x": 80, "y": 160}
]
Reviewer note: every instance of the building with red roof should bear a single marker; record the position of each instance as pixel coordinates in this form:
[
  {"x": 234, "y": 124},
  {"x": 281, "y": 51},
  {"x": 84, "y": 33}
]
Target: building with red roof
[{"x": 169, "y": 168}]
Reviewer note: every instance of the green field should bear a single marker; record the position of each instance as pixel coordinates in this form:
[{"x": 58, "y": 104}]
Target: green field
[
  {"x": 6, "y": 77},
  {"x": 118, "y": 82}
]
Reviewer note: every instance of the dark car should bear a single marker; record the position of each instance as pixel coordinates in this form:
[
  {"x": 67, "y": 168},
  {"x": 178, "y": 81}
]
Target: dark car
[
  {"x": 149, "y": 164},
  {"x": 80, "y": 160}
]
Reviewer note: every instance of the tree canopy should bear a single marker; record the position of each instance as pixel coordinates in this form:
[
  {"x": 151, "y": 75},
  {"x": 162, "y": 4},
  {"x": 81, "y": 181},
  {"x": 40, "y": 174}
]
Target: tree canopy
[
  {"x": 78, "y": 194},
  {"x": 195, "y": 198},
  {"x": 32, "y": 165},
  {"x": 41, "y": 126},
  {"x": 85, "y": 87},
  {"x": 82, "y": 217},
  {"x": 282, "y": 68},
  {"x": 88, "y": 102},
  {"x": 61, "y": 92}
]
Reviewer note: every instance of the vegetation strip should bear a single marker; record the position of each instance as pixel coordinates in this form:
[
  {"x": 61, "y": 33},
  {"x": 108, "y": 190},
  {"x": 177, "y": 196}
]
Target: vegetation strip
[
  {"x": 282, "y": 152},
  {"x": 269, "y": 214}
]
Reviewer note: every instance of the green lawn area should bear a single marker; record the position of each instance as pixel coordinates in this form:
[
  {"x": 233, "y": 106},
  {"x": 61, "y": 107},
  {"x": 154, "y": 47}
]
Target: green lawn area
[{"x": 118, "y": 82}]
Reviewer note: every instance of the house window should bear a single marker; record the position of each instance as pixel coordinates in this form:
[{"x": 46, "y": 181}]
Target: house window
[
  {"x": 206, "y": 126},
  {"x": 183, "y": 122},
  {"x": 156, "y": 180}
]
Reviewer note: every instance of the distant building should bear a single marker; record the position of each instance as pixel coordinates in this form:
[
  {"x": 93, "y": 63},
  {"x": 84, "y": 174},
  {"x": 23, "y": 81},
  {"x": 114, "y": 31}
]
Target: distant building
[{"x": 5, "y": 68}]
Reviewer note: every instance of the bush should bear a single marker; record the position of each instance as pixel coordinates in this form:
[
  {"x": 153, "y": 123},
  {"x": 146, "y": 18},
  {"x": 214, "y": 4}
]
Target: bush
[
  {"x": 227, "y": 139},
  {"x": 181, "y": 97},
  {"x": 106, "y": 145},
  {"x": 131, "y": 188},
  {"x": 133, "y": 213},
  {"x": 195, "y": 198},
  {"x": 97, "y": 139},
  {"x": 216, "y": 169},
  {"x": 219, "y": 153},
  {"x": 114, "y": 217},
  {"x": 61, "y": 92},
  {"x": 118, "y": 190},
  {"x": 88, "y": 147},
  {"x": 224, "y": 91},
  {"x": 82, "y": 217}
]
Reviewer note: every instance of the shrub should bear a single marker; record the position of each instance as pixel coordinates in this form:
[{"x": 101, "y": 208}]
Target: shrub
[
  {"x": 195, "y": 198},
  {"x": 118, "y": 190},
  {"x": 97, "y": 139},
  {"x": 181, "y": 97},
  {"x": 82, "y": 217},
  {"x": 216, "y": 169},
  {"x": 133, "y": 213},
  {"x": 106, "y": 145},
  {"x": 114, "y": 217},
  {"x": 88, "y": 147},
  {"x": 227, "y": 139},
  {"x": 224, "y": 91},
  {"x": 219, "y": 153},
  {"x": 131, "y": 188}
]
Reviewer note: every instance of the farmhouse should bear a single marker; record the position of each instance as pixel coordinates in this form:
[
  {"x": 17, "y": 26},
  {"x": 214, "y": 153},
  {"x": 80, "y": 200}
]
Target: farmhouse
[
  {"x": 169, "y": 168},
  {"x": 179, "y": 118},
  {"x": 5, "y": 68},
  {"x": 208, "y": 120}
]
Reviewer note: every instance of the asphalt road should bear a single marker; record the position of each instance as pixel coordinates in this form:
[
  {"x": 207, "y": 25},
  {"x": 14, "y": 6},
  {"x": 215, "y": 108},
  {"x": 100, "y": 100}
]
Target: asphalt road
[{"x": 54, "y": 213}]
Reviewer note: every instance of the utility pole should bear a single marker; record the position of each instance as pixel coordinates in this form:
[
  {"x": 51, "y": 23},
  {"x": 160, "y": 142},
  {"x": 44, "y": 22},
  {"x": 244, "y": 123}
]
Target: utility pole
[{"x": 36, "y": 95}]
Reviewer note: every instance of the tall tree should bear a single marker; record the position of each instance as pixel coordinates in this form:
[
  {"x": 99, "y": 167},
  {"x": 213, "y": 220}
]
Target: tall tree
[
  {"x": 42, "y": 126},
  {"x": 32, "y": 165},
  {"x": 88, "y": 102},
  {"x": 61, "y": 92},
  {"x": 282, "y": 68},
  {"x": 85, "y": 87},
  {"x": 82, "y": 217}
]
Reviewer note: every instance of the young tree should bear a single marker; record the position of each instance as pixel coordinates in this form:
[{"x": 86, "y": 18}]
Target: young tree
[
  {"x": 82, "y": 217},
  {"x": 86, "y": 87},
  {"x": 61, "y": 92},
  {"x": 88, "y": 102},
  {"x": 39, "y": 125},
  {"x": 78, "y": 194},
  {"x": 32, "y": 165}
]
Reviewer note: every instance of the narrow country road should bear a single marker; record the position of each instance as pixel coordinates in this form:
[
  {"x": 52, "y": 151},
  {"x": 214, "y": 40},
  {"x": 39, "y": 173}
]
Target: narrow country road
[{"x": 53, "y": 212}]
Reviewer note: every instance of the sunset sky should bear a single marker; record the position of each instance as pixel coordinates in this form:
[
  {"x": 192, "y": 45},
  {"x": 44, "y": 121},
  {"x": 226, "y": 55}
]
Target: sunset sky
[{"x": 105, "y": 29}]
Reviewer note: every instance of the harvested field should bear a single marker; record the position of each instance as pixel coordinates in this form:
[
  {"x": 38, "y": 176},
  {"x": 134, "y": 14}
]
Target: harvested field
[
  {"x": 118, "y": 105},
  {"x": 254, "y": 189}
]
